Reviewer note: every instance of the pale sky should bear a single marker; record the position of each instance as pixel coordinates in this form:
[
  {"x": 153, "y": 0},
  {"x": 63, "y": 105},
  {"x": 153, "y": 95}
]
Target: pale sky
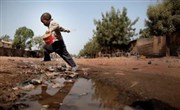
[{"x": 75, "y": 15}]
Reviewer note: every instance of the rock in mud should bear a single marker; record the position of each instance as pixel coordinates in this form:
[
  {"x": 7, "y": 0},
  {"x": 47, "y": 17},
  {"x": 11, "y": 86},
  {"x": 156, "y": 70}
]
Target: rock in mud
[
  {"x": 57, "y": 85},
  {"x": 28, "y": 87},
  {"x": 36, "y": 81}
]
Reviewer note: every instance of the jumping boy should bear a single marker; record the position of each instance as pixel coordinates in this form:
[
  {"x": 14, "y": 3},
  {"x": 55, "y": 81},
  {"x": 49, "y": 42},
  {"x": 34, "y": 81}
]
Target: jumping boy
[{"x": 56, "y": 43}]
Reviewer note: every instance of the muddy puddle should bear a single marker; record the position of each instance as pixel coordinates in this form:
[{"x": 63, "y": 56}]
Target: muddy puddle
[
  {"x": 76, "y": 94},
  {"x": 58, "y": 89},
  {"x": 81, "y": 94}
]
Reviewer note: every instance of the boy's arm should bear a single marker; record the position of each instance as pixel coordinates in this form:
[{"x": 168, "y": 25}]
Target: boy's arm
[
  {"x": 54, "y": 26},
  {"x": 63, "y": 30}
]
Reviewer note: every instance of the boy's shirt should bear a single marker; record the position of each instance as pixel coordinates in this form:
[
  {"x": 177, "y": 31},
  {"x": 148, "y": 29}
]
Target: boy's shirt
[
  {"x": 56, "y": 29},
  {"x": 54, "y": 33}
]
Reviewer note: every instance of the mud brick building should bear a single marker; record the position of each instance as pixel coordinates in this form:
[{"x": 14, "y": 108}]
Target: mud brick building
[
  {"x": 155, "y": 46},
  {"x": 7, "y": 50},
  {"x": 5, "y": 44}
]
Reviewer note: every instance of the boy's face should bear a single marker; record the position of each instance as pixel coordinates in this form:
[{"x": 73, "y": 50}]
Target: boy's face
[{"x": 45, "y": 22}]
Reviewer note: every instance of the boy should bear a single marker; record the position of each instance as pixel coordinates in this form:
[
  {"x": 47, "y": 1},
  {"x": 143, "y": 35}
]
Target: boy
[{"x": 57, "y": 44}]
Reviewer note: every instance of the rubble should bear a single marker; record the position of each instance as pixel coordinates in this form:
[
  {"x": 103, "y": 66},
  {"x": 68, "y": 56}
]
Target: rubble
[
  {"x": 57, "y": 85},
  {"x": 28, "y": 87},
  {"x": 36, "y": 81},
  {"x": 40, "y": 75},
  {"x": 46, "y": 75}
]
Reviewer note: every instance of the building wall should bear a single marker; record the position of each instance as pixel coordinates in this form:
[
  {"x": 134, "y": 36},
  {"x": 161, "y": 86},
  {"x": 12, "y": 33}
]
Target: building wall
[
  {"x": 155, "y": 46},
  {"x": 5, "y": 44},
  {"x": 144, "y": 41},
  {"x": 159, "y": 45},
  {"x": 175, "y": 44},
  {"x": 19, "y": 53},
  {"x": 143, "y": 46}
]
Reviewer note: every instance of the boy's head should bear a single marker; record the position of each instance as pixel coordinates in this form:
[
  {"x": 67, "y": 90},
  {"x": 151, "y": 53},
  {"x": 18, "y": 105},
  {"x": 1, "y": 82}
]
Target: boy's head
[{"x": 46, "y": 18}]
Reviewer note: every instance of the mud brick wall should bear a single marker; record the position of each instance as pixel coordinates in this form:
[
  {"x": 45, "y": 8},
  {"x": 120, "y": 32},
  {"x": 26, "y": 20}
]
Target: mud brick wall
[
  {"x": 144, "y": 41},
  {"x": 175, "y": 44},
  {"x": 159, "y": 45},
  {"x": 146, "y": 49},
  {"x": 144, "y": 46},
  {"x": 19, "y": 53}
]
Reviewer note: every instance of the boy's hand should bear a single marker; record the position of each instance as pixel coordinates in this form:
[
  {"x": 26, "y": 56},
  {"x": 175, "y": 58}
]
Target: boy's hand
[
  {"x": 68, "y": 31},
  {"x": 48, "y": 31}
]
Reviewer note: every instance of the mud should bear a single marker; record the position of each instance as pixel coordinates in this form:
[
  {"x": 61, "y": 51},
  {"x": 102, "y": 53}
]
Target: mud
[{"x": 101, "y": 84}]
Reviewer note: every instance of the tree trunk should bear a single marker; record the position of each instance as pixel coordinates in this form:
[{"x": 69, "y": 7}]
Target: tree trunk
[
  {"x": 167, "y": 46},
  {"x": 167, "y": 51}
]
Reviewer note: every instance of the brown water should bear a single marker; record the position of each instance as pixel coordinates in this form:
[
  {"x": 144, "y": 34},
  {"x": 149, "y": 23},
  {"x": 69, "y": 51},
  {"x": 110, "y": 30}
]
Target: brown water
[{"x": 81, "y": 94}]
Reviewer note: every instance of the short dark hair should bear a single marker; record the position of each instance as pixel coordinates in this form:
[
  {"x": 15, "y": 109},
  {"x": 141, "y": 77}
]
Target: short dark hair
[{"x": 46, "y": 16}]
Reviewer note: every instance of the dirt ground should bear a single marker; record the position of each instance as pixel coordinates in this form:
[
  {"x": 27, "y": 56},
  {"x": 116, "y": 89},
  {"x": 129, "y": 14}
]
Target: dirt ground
[{"x": 142, "y": 79}]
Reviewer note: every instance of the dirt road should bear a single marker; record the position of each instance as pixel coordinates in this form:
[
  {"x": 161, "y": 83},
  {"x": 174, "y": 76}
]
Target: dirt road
[{"x": 148, "y": 82}]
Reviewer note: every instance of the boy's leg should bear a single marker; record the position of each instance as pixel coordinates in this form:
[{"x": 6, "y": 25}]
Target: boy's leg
[
  {"x": 47, "y": 50},
  {"x": 61, "y": 50}
]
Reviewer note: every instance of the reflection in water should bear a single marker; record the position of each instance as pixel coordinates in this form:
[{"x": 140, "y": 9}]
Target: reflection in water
[
  {"x": 46, "y": 98},
  {"x": 85, "y": 95},
  {"x": 105, "y": 94},
  {"x": 54, "y": 101},
  {"x": 81, "y": 95},
  {"x": 91, "y": 95}
]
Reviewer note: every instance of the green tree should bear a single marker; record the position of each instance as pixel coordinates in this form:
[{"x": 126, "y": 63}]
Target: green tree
[
  {"x": 175, "y": 12},
  {"x": 144, "y": 33},
  {"x": 114, "y": 29},
  {"x": 160, "y": 20},
  {"x": 164, "y": 20},
  {"x": 23, "y": 38},
  {"x": 6, "y": 38},
  {"x": 90, "y": 49}
]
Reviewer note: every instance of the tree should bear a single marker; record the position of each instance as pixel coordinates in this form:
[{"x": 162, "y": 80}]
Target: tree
[
  {"x": 164, "y": 20},
  {"x": 175, "y": 11},
  {"x": 114, "y": 29},
  {"x": 144, "y": 33},
  {"x": 90, "y": 49},
  {"x": 6, "y": 38},
  {"x": 160, "y": 20},
  {"x": 23, "y": 38}
]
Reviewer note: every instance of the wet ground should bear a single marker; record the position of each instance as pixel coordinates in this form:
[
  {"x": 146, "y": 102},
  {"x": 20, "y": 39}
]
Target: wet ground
[
  {"x": 98, "y": 85},
  {"x": 82, "y": 94}
]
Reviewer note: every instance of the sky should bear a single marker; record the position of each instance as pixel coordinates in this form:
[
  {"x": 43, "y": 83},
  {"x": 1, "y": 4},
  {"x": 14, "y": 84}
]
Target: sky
[{"x": 75, "y": 15}]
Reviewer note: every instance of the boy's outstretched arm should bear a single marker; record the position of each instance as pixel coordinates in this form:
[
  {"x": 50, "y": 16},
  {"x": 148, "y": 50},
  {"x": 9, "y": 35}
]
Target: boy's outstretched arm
[
  {"x": 55, "y": 26},
  {"x": 63, "y": 30}
]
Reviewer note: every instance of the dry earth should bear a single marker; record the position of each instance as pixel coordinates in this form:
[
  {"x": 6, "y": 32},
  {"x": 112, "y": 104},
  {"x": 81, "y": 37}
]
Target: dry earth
[{"x": 140, "y": 79}]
